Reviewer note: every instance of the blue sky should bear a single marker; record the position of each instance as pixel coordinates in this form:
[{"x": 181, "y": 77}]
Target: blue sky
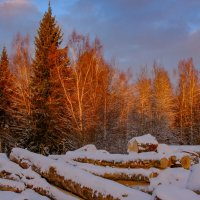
[{"x": 134, "y": 32}]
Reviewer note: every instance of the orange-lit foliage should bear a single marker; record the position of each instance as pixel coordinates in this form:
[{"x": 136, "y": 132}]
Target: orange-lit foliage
[
  {"x": 71, "y": 96},
  {"x": 188, "y": 94}
]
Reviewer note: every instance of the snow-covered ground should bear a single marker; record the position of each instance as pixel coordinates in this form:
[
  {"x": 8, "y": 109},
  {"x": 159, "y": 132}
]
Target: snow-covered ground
[{"x": 17, "y": 183}]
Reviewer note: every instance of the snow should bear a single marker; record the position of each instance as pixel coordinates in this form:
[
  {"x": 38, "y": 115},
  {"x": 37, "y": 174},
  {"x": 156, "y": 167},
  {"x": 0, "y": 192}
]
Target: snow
[
  {"x": 194, "y": 148},
  {"x": 31, "y": 195},
  {"x": 88, "y": 148},
  {"x": 194, "y": 178},
  {"x": 6, "y": 195},
  {"x": 3, "y": 157},
  {"x": 144, "y": 139},
  {"x": 25, "y": 195},
  {"x": 165, "y": 149},
  {"x": 166, "y": 192},
  {"x": 171, "y": 176}
]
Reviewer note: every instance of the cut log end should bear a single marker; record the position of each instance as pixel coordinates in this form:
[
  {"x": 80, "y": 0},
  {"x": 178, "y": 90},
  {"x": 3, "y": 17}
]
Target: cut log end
[
  {"x": 163, "y": 163},
  {"x": 186, "y": 162}
]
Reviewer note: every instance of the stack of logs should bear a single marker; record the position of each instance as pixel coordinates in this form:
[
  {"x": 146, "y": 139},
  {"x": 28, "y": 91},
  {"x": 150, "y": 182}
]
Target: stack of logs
[
  {"x": 54, "y": 174},
  {"x": 107, "y": 166}
]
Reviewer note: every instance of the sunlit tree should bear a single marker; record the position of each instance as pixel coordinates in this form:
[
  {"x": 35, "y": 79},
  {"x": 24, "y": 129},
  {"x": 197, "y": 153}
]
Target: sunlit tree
[
  {"x": 47, "y": 42},
  {"x": 162, "y": 103},
  {"x": 187, "y": 101}
]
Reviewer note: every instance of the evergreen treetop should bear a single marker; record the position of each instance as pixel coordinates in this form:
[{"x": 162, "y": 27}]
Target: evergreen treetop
[{"x": 49, "y": 37}]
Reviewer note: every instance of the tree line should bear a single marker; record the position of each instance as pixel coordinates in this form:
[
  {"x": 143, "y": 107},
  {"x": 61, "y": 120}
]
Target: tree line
[{"x": 65, "y": 97}]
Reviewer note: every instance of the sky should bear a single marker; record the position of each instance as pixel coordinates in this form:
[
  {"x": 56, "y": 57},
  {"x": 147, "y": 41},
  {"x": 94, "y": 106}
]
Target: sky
[{"x": 134, "y": 33}]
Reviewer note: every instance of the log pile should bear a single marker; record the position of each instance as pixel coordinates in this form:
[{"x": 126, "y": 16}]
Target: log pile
[
  {"x": 145, "y": 143},
  {"x": 136, "y": 160},
  {"x": 17, "y": 179},
  {"x": 76, "y": 172},
  {"x": 60, "y": 175}
]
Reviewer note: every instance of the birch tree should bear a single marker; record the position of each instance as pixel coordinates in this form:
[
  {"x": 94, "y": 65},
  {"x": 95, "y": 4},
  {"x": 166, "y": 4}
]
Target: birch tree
[
  {"x": 162, "y": 104},
  {"x": 143, "y": 95},
  {"x": 187, "y": 100}
]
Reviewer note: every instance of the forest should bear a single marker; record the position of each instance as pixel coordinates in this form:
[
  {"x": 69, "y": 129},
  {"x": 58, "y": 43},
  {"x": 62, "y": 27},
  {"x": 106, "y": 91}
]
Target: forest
[{"x": 63, "y": 96}]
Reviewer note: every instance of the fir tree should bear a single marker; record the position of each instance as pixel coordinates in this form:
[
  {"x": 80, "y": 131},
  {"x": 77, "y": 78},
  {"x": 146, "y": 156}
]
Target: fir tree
[{"x": 47, "y": 43}]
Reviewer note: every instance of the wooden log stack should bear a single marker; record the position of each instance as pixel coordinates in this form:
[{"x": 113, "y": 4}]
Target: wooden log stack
[
  {"x": 65, "y": 176},
  {"x": 145, "y": 143},
  {"x": 16, "y": 179}
]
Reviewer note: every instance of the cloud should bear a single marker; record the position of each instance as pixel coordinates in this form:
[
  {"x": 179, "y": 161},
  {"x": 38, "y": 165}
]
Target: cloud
[
  {"x": 135, "y": 32},
  {"x": 17, "y": 16}
]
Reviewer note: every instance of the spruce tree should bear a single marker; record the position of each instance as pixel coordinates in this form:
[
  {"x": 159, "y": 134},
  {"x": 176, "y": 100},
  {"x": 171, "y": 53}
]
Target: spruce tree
[
  {"x": 5, "y": 90},
  {"x": 47, "y": 43}
]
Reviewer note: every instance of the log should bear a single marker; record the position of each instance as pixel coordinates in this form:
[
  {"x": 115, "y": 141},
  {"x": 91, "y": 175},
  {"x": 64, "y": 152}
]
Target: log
[
  {"x": 193, "y": 156},
  {"x": 133, "y": 183},
  {"x": 133, "y": 160},
  {"x": 172, "y": 160},
  {"x": 10, "y": 185},
  {"x": 139, "y": 175},
  {"x": 145, "y": 143},
  {"x": 125, "y": 177},
  {"x": 184, "y": 161},
  {"x": 7, "y": 175},
  {"x": 145, "y": 164},
  {"x": 163, "y": 163},
  {"x": 74, "y": 180}
]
